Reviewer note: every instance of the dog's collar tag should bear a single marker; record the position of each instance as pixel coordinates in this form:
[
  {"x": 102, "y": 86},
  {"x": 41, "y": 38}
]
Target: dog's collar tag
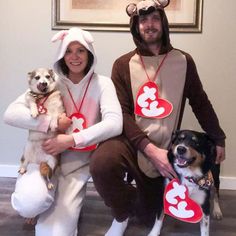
[
  {"x": 42, "y": 109},
  {"x": 78, "y": 124},
  {"x": 179, "y": 205},
  {"x": 149, "y": 105},
  {"x": 40, "y": 105},
  {"x": 204, "y": 182}
]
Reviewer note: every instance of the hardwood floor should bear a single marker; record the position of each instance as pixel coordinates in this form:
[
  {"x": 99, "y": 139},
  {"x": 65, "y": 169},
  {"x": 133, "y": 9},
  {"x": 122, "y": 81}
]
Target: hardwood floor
[{"x": 96, "y": 218}]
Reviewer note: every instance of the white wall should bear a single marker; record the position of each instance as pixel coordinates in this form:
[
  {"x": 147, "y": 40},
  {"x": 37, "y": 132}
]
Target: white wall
[{"x": 25, "y": 44}]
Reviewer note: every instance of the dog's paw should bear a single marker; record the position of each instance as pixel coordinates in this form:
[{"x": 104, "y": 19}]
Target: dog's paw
[
  {"x": 22, "y": 170},
  {"x": 217, "y": 214},
  {"x": 154, "y": 234},
  {"x": 34, "y": 113},
  {"x": 216, "y": 211},
  {"x": 53, "y": 126}
]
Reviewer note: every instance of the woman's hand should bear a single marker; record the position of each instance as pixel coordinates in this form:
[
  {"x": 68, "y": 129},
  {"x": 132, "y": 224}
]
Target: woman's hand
[
  {"x": 63, "y": 122},
  {"x": 58, "y": 144}
]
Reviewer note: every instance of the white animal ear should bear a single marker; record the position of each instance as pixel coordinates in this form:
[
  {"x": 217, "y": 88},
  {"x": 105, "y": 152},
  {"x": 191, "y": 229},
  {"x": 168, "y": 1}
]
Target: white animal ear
[
  {"x": 87, "y": 36},
  {"x": 59, "y": 35}
]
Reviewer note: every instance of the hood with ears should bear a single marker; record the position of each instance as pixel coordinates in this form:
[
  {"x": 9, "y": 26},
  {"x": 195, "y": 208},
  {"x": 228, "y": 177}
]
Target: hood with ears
[
  {"x": 146, "y": 7},
  {"x": 65, "y": 37}
]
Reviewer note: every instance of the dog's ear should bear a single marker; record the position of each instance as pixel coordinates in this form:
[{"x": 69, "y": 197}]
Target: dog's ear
[
  {"x": 51, "y": 73},
  {"x": 174, "y": 135},
  {"x": 210, "y": 148},
  {"x": 209, "y": 152},
  {"x": 31, "y": 74},
  {"x": 170, "y": 155}
]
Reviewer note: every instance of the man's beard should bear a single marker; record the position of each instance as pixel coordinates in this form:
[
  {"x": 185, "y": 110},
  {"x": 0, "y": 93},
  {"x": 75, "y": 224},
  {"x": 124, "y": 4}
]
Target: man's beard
[{"x": 153, "y": 39}]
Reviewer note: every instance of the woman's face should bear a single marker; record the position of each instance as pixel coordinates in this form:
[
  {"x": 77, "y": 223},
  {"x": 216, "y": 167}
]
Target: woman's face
[{"x": 76, "y": 59}]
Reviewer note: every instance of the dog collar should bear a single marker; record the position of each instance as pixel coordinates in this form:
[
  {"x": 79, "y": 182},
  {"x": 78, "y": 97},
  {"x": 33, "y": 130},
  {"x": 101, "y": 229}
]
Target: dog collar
[
  {"x": 204, "y": 182},
  {"x": 40, "y": 99},
  {"x": 38, "y": 96}
]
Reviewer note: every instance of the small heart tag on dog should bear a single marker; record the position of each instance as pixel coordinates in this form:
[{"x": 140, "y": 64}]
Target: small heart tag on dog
[
  {"x": 41, "y": 109},
  {"x": 179, "y": 205},
  {"x": 78, "y": 124},
  {"x": 149, "y": 105}
]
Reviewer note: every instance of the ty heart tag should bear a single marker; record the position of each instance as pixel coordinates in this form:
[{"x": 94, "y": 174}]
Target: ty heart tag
[
  {"x": 78, "y": 124},
  {"x": 178, "y": 204},
  {"x": 148, "y": 104},
  {"x": 41, "y": 109}
]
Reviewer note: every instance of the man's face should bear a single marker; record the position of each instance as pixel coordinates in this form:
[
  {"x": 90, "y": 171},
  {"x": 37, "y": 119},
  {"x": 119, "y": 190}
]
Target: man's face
[{"x": 150, "y": 28}]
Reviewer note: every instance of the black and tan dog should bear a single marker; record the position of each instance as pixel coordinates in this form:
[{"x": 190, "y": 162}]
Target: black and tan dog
[{"x": 192, "y": 155}]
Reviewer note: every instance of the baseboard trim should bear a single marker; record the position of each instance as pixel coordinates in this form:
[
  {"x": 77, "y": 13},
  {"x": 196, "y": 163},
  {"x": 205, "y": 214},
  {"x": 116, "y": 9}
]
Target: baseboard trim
[
  {"x": 11, "y": 171},
  {"x": 228, "y": 183}
]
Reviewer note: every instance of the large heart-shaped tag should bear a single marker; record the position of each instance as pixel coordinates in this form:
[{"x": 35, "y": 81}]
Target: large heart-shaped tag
[
  {"x": 148, "y": 104},
  {"x": 179, "y": 205},
  {"x": 78, "y": 124}
]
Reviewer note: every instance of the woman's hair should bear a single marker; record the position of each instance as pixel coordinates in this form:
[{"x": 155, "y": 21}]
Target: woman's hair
[{"x": 65, "y": 69}]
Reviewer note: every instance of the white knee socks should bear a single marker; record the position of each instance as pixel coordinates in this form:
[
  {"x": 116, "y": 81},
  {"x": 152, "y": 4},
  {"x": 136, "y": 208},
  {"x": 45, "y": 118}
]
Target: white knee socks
[{"x": 117, "y": 228}]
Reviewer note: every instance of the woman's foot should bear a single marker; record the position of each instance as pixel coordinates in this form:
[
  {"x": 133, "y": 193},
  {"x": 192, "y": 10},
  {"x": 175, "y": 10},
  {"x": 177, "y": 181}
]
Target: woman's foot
[{"x": 117, "y": 228}]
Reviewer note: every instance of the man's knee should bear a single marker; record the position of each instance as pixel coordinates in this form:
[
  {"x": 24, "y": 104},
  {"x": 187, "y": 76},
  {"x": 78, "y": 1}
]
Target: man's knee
[{"x": 107, "y": 158}]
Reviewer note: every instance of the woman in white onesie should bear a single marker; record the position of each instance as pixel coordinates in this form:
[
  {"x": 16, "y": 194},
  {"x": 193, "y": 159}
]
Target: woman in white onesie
[{"x": 85, "y": 93}]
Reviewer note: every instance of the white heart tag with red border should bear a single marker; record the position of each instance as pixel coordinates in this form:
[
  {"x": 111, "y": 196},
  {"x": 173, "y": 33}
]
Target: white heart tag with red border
[
  {"x": 78, "y": 124},
  {"x": 149, "y": 105},
  {"x": 179, "y": 205}
]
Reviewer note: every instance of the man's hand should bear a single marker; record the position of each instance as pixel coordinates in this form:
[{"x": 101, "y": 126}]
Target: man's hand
[
  {"x": 220, "y": 154},
  {"x": 58, "y": 144},
  {"x": 160, "y": 160},
  {"x": 64, "y": 123}
]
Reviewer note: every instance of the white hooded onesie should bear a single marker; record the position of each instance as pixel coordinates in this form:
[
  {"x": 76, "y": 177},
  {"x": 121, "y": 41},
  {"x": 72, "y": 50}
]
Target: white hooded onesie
[{"x": 103, "y": 115}]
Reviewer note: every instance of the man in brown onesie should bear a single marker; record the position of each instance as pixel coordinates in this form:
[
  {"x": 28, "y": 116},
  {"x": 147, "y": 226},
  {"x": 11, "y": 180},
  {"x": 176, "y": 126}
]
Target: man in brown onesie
[{"x": 152, "y": 82}]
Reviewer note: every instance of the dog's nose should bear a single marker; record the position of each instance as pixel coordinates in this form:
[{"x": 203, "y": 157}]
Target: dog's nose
[
  {"x": 181, "y": 150},
  {"x": 44, "y": 84}
]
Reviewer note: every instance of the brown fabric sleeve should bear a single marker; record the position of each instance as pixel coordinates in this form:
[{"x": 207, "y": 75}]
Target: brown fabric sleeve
[
  {"x": 200, "y": 104},
  {"x": 121, "y": 79}
]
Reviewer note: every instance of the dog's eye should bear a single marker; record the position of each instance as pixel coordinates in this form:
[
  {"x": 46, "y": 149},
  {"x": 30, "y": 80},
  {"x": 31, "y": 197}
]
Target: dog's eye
[
  {"x": 181, "y": 137},
  {"x": 47, "y": 76},
  {"x": 37, "y": 77},
  {"x": 195, "y": 140}
]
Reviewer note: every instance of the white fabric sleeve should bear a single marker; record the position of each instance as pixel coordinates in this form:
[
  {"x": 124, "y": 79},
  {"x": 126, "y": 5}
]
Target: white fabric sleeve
[
  {"x": 18, "y": 114},
  {"x": 111, "y": 123}
]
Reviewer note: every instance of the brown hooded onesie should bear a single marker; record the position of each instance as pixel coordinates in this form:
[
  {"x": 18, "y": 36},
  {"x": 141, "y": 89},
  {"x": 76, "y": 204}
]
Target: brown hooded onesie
[{"x": 178, "y": 80}]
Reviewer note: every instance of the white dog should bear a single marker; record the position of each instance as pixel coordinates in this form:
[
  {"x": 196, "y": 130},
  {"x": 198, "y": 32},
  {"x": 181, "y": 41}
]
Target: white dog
[{"x": 42, "y": 98}]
